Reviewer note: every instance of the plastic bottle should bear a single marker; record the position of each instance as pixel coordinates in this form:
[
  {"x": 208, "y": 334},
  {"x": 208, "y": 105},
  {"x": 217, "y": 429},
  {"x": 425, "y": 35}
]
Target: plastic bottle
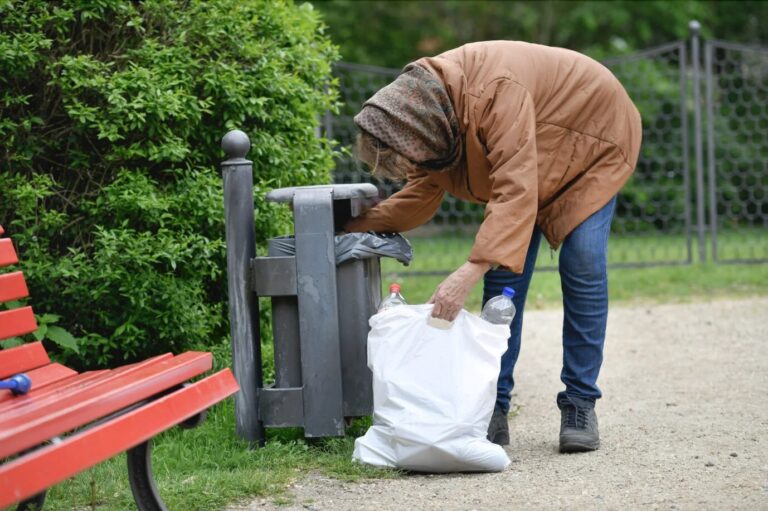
[
  {"x": 500, "y": 310},
  {"x": 394, "y": 299}
]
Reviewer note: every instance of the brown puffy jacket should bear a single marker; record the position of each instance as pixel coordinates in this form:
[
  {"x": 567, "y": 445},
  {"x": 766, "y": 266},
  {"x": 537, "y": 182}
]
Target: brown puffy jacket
[{"x": 550, "y": 136}]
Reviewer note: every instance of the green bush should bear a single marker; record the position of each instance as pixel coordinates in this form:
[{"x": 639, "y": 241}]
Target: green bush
[{"x": 111, "y": 116}]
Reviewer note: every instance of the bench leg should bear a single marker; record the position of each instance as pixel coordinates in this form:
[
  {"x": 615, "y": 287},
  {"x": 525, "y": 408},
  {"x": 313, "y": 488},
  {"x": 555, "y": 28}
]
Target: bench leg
[
  {"x": 194, "y": 421},
  {"x": 140, "y": 470},
  {"x": 33, "y": 503},
  {"x": 141, "y": 479}
]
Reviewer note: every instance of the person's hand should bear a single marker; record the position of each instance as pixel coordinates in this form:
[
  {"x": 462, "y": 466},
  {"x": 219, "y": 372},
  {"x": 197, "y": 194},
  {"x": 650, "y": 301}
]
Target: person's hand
[
  {"x": 358, "y": 223},
  {"x": 450, "y": 295}
]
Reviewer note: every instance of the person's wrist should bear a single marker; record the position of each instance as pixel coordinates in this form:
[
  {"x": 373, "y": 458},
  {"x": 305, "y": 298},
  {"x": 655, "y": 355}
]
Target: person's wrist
[{"x": 477, "y": 269}]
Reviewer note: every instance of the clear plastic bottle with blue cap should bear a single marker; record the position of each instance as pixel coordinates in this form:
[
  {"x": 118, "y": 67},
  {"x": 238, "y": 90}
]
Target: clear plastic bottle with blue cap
[{"x": 500, "y": 310}]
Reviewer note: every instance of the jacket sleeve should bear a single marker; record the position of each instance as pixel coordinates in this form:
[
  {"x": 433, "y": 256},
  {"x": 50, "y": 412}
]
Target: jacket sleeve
[
  {"x": 407, "y": 209},
  {"x": 508, "y": 129}
]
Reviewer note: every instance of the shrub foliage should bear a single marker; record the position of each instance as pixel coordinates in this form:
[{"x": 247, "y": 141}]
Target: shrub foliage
[{"x": 111, "y": 116}]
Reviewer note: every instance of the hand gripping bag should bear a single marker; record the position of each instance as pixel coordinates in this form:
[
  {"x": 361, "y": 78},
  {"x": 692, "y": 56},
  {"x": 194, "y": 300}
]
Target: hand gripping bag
[{"x": 433, "y": 392}]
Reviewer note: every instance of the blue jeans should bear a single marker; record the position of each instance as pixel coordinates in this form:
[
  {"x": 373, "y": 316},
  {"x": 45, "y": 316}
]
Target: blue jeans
[{"x": 584, "y": 281}]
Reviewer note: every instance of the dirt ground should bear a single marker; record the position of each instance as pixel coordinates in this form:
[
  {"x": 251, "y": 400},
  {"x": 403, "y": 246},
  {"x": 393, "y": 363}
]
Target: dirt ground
[{"x": 683, "y": 423}]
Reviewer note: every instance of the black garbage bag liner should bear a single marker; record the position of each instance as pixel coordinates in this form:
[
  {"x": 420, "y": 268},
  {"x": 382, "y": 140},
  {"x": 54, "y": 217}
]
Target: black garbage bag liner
[
  {"x": 364, "y": 245},
  {"x": 359, "y": 245}
]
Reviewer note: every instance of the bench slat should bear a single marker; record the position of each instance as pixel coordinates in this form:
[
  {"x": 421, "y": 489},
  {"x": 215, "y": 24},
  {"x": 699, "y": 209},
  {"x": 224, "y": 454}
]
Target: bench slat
[
  {"x": 52, "y": 373},
  {"x": 17, "y": 322},
  {"x": 22, "y": 358},
  {"x": 39, "y": 398},
  {"x": 142, "y": 363},
  {"x": 12, "y": 286},
  {"x": 9, "y": 405},
  {"x": 7, "y": 252},
  {"x": 41, "y": 469},
  {"x": 34, "y": 425}
]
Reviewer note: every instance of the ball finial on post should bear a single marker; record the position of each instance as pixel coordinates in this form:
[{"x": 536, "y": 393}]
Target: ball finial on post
[
  {"x": 694, "y": 26},
  {"x": 236, "y": 145}
]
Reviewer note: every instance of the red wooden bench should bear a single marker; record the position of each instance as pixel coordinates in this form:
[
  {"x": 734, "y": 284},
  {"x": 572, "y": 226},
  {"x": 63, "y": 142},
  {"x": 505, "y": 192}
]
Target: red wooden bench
[{"x": 70, "y": 421}]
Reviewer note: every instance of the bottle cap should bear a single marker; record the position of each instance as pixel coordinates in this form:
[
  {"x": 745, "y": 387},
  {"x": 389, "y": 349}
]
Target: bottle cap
[
  {"x": 508, "y": 292},
  {"x": 394, "y": 288}
]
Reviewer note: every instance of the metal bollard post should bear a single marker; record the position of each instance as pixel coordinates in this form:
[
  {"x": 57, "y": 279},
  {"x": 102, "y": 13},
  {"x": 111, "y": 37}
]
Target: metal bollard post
[{"x": 243, "y": 304}]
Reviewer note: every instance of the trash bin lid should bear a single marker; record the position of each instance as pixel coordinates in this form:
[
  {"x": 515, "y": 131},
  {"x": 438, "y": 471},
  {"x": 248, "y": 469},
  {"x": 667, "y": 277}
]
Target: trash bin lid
[{"x": 340, "y": 191}]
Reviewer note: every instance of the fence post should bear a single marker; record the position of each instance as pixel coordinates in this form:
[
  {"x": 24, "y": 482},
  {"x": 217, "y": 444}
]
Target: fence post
[
  {"x": 685, "y": 135},
  {"x": 712, "y": 182},
  {"x": 695, "y": 28},
  {"x": 243, "y": 304}
]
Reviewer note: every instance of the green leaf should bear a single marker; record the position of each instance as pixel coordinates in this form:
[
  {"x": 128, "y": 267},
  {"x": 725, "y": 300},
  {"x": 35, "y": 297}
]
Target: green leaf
[
  {"x": 39, "y": 334},
  {"x": 48, "y": 318},
  {"x": 62, "y": 338},
  {"x": 12, "y": 342}
]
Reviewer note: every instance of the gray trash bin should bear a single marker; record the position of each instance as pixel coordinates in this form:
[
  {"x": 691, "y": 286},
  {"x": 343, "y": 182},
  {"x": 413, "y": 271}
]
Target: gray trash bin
[
  {"x": 358, "y": 285},
  {"x": 320, "y": 314},
  {"x": 320, "y": 307}
]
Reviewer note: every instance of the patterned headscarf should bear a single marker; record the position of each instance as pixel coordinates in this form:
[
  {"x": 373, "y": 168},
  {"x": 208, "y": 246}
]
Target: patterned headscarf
[{"x": 413, "y": 115}]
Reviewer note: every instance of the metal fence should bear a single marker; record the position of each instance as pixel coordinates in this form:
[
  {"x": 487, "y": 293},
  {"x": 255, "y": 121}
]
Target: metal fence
[
  {"x": 737, "y": 150},
  {"x": 671, "y": 208}
]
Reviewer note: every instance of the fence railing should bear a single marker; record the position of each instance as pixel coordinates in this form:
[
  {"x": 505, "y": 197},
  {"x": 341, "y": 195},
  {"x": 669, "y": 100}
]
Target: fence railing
[
  {"x": 689, "y": 192},
  {"x": 737, "y": 150}
]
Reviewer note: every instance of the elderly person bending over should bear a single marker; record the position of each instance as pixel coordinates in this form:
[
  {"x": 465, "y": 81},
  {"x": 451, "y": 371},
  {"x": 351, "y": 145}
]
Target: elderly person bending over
[{"x": 545, "y": 138}]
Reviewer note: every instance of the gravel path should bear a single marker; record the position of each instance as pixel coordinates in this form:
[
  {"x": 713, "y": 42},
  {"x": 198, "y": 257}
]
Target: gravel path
[{"x": 684, "y": 424}]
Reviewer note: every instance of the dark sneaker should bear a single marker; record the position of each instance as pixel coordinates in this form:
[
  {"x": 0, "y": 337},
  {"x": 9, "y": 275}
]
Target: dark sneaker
[
  {"x": 578, "y": 425},
  {"x": 498, "y": 429}
]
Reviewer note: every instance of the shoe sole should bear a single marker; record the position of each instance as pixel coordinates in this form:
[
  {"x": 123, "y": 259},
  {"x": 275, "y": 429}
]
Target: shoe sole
[{"x": 578, "y": 445}]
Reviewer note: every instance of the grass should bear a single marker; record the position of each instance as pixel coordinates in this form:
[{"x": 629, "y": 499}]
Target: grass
[
  {"x": 448, "y": 250},
  {"x": 208, "y": 467},
  {"x": 675, "y": 283},
  {"x": 625, "y": 285}
]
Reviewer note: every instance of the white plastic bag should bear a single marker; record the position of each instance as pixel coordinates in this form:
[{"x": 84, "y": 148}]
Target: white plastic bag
[{"x": 433, "y": 392}]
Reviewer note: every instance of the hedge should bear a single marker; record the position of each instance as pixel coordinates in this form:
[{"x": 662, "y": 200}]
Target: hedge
[{"x": 111, "y": 116}]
